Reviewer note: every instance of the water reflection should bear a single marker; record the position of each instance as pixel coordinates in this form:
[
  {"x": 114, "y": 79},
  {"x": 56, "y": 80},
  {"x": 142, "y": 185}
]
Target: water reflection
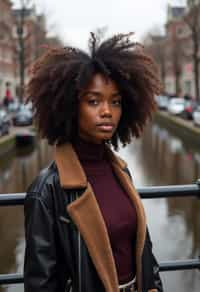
[
  {"x": 160, "y": 158},
  {"x": 17, "y": 171},
  {"x": 177, "y": 163}
]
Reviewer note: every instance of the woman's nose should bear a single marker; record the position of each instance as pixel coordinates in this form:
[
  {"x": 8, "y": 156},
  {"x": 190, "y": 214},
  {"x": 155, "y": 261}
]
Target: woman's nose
[{"x": 105, "y": 109}]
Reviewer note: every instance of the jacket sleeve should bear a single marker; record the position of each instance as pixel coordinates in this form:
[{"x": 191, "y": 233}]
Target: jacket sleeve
[
  {"x": 40, "y": 251},
  {"x": 152, "y": 280}
]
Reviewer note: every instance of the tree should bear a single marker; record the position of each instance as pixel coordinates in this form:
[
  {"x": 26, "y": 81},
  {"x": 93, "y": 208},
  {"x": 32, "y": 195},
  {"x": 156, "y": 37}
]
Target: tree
[
  {"x": 177, "y": 55},
  {"x": 155, "y": 44},
  {"x": 20, "y": 23},
  {"x": 175, "y": 47},
  {"x": 31, "y": 34}
]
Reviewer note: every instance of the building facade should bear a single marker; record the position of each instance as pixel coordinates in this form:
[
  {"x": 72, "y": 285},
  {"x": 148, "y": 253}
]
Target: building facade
[
  {"x": 179, "y": 76},
  {"x": 34, "y": 36},
  {"x": 174, "y": 50},
  {"x": 7, "y": 64}
]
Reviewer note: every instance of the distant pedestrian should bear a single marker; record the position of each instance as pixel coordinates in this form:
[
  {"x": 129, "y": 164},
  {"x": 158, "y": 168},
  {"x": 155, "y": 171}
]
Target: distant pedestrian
[
  {"x": 8, "y": 96},
  {"x": 85, "y": 225}
]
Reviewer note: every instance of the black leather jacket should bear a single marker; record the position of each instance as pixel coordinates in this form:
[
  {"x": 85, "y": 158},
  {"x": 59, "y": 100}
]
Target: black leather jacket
[{"x": 56, "y": 256}]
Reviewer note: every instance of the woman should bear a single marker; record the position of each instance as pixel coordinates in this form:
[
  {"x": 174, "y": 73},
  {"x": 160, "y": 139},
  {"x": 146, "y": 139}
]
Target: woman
[{"x": 85, "y": 225}]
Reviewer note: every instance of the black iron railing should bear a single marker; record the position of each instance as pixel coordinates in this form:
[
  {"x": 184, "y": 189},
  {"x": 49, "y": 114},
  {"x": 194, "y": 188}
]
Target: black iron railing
[{"x": 192, "y": 190}]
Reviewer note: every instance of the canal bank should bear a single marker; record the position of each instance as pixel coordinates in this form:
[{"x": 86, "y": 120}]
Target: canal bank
[
  {"x": 18, "y": 168},
  {"x": 180, "y": 127},
  {"x": 9, "y": 142}
]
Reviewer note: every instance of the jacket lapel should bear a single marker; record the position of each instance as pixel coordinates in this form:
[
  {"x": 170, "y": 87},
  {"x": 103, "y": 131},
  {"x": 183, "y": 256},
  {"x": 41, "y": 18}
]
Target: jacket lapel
[
  {"x": 127, "y": 184},
  {"x": 87, "y": 216},
  {"x": 70, "y": 171}
]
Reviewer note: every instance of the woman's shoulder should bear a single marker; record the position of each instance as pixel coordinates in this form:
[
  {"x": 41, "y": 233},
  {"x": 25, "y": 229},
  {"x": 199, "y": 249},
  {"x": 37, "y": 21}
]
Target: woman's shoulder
[
  {"x": 40, "y": 194},
  {"x": 43, "y": 180}
]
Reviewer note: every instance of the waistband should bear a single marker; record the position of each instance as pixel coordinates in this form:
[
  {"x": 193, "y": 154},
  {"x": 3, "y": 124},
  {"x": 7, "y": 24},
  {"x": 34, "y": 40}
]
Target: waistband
[{"x": 130, "y": 286}]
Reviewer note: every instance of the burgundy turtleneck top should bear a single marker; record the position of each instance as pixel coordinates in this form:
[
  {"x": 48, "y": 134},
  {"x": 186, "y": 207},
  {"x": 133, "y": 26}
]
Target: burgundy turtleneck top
[{"x": 116, "y": 207}]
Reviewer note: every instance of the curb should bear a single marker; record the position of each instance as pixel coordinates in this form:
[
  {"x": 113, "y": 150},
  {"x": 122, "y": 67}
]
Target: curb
[{"x": 180, "y": 127}]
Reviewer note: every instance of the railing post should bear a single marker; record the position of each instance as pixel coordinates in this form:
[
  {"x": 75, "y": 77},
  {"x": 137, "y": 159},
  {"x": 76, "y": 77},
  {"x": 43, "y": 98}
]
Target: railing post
[
  {"x": 199, "y": 266},
  {"x": 198, "y": 184}
]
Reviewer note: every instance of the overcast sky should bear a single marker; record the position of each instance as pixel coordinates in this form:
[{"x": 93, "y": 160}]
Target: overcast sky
[{"x": 74, "y": 19}]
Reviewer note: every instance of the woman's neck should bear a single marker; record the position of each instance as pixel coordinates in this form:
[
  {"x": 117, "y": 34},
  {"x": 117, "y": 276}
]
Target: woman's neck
[{"x": 89, "y": 151}]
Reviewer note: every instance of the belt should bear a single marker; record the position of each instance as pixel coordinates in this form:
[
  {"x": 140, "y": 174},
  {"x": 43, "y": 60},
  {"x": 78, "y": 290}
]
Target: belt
[{"x": 128, "y": 287}]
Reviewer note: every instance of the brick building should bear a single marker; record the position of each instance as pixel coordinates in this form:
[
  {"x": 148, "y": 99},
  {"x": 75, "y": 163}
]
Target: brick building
[
  {"x": 179, "y": 36},
  {"x": 34, "y": 36},
  {"x": 179, "y": 75},
  {"x": 174, "y": 51},
  {"x": 7, "y": 67}
]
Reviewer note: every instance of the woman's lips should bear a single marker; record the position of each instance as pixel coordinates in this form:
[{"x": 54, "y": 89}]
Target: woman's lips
[{"x": 106, "y": 127}]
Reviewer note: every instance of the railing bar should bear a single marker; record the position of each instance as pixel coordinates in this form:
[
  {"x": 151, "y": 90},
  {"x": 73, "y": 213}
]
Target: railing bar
[
  {"x": 164, "y": 266},
  {"x": 170, "y": 191},
  {"x": 11, "y": 279},
  {"x": 145, "y": 192},
  {"x": 179, "y": 265}
]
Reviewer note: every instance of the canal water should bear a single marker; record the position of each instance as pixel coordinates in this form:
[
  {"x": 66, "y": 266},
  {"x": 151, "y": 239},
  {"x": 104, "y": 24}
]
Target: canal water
[{"x": 159, "y": 158}]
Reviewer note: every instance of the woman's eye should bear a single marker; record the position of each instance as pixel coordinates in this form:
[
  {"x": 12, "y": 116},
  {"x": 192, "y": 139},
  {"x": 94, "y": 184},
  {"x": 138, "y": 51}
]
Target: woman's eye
[
  {"x": 93, "y": 102},
  {"x": 117, "y": 102}
]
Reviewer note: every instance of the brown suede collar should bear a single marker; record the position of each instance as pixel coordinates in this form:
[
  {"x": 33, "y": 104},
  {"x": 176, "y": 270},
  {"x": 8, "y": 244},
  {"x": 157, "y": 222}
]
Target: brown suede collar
[{"x": 68, "y": 163}]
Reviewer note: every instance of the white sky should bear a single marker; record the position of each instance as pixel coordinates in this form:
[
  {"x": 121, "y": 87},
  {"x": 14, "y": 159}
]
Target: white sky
[{"x": 74, "y": 19}]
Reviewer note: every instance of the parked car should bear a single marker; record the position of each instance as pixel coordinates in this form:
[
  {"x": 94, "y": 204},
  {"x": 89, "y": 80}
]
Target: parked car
[
  {"x": 23, "y": 117},
  {"x": 189, "y": 107},
  {"x": 29, "y": 105},
  {"x": 4, "y": 116},
  {"x": 13, "y": 106},
  {"x": 4, "y": 123},
  {"x": 176, "y": 106},
  {"x": 196, "y": 116},
  {"x": 162, "y": 102}
]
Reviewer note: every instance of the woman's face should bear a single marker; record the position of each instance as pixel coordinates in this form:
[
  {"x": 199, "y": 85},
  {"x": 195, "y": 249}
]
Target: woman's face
[{"x": 99, "y": 110}]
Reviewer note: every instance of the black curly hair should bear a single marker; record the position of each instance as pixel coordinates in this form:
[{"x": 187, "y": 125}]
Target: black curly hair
[{"x": 61, "y": 73}]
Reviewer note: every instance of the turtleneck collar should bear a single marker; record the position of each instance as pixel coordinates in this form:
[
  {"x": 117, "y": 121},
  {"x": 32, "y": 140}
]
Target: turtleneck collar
[{"x": 88, "y": 151}]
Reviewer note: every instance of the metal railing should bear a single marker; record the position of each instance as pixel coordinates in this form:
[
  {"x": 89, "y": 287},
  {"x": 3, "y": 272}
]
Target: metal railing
[{"x": 157, "y": 192}]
